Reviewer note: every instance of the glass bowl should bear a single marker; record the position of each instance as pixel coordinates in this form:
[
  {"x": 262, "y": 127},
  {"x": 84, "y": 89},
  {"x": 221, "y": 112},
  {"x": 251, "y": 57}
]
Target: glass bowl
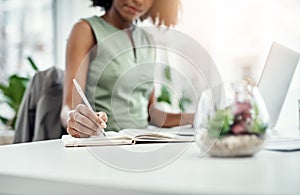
[{"x": 231, "y": 120}]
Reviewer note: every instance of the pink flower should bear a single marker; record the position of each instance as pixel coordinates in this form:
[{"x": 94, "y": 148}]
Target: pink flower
[
  {"x": 241, "y": 111},
  {"x": 238, "y": 128}
]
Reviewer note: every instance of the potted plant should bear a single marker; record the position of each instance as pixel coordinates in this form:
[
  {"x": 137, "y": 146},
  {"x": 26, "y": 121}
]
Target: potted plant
[
  {"x": 12, "y": 94},
  {"x": 232, "y": 120}
]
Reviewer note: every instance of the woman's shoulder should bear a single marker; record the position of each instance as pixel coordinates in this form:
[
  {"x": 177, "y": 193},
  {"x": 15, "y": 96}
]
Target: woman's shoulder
[
  {"x": 89, "y": 25},
  {"x": 91, "y": 19},
  {"x": 82, "y": 25},
  {"x": 85, "y": 23},
  {"x": 81, "y": 28}
]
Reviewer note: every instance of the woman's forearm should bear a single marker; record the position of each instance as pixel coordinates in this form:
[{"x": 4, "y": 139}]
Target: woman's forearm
[
  {"x": 64, "y": 115},
  {"x": 163, "y": 119}
]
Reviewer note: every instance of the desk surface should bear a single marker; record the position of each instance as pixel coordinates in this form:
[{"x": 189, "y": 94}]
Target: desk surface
[{"x": 48, "y": 167}]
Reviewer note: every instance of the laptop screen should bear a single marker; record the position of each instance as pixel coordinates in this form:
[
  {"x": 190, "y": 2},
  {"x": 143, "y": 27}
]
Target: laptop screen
[{"x": 276, "y": 77}]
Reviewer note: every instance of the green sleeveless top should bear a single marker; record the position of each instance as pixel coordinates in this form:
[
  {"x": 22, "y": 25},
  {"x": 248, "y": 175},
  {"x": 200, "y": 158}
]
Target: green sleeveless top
[{"x": 120, "y": 77}]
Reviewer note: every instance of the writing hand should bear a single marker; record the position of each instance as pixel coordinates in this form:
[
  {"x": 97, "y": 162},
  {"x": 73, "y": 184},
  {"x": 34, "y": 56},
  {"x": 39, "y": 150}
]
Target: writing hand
[{"x": 83, "y": 122}]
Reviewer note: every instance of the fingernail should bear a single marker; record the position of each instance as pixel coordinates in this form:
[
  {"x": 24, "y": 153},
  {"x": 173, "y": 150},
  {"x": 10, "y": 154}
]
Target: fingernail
[{"x": 103, "y": 125}]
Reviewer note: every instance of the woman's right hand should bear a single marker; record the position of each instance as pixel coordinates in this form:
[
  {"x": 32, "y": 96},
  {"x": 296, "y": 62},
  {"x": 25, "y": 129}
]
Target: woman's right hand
[{"x": 83, "y": 122}]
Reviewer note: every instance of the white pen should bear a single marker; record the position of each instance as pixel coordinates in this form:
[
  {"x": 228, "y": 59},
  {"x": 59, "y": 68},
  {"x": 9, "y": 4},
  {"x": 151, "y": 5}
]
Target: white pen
[{"x": 86, "y": 102}]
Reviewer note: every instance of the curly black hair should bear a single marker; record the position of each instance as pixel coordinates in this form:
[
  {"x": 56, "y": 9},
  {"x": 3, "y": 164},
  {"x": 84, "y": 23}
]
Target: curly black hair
[{"x": 162, "y": 12}]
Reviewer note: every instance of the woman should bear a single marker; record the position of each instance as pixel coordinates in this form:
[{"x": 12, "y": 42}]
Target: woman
[{"x": 120, "y": 89}]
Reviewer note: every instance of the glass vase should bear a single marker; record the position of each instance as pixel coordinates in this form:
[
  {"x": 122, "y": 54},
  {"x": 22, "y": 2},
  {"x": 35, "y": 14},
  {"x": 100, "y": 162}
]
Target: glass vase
[{"x": 231, "y": 120}]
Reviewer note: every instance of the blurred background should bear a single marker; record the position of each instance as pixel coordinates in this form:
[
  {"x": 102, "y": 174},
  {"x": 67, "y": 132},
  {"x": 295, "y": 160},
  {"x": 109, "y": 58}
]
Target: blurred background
[{"x": 236, "y": 33}]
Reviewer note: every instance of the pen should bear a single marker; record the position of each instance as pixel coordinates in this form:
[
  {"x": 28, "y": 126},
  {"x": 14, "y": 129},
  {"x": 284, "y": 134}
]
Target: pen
[{"x": 86, "y": 102}]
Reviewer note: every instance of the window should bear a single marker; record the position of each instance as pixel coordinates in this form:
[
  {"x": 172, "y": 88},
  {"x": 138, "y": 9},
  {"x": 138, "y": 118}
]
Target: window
[{"x": 26, "y": 29}]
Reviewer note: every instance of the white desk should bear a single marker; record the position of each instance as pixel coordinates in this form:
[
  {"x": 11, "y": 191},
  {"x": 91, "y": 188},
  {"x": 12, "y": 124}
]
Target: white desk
[{"x": 49, "y": 168}]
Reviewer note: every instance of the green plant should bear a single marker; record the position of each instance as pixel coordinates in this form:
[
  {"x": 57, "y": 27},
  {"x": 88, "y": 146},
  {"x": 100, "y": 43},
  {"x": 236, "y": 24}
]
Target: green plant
[
  {"x": 165, "y": 93},
  {"x": 226, "y": 122},
  {"x": 220, "y": 123},
  {"x": 183, "y": 102},
  {"x": 13, "y": 93}
]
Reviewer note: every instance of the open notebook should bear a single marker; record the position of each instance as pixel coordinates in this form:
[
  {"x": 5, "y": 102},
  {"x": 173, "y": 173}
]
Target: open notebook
[{"x": 126, "y": 137}]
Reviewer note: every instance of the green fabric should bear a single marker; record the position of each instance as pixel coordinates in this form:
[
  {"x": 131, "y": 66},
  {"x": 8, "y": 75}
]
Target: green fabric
[{"x": 119, "y": 82}]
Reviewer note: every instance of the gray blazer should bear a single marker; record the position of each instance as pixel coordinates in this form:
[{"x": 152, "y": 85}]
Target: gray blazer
[{"x": 39, "y": 114}]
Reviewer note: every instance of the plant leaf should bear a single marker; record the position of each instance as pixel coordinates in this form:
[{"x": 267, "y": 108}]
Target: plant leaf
[
  {"x": 3, "y": 88},
  {"x": 32, "y": 63},
  {"x": 165, "y": 95},
  {"x": 257, "y": 126},
  {"x": 220, "y": 123},
  {"x": 16, "y": 89},
  {"x": 167, "y": 73},
  {"x": 4, "y": 120},
  {"x": 183, "y": 101}
]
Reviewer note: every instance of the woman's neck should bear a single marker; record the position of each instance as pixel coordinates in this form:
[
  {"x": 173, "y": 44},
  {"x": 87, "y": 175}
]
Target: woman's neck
[{"x": 114, "y": 18}]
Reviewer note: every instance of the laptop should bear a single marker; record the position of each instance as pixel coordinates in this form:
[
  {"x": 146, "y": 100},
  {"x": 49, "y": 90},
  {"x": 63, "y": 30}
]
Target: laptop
[
  {"x": 276, "y": 77},
  {"x": 274, "y": 84}
]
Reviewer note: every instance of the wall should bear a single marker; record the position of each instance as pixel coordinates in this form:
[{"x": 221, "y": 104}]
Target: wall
[
  {"x": 239, "y": 33},
  {"x": 66, "y": 14}
]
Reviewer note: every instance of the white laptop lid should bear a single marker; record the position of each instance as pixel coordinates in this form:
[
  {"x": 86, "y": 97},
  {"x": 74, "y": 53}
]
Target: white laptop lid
[{"x": 276, "y": 77}]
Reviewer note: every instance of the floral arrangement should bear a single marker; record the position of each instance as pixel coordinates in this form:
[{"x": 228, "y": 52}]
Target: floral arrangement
[
  {"x": 233, "y": 120},
  {"x": 238, "y": 119}
]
